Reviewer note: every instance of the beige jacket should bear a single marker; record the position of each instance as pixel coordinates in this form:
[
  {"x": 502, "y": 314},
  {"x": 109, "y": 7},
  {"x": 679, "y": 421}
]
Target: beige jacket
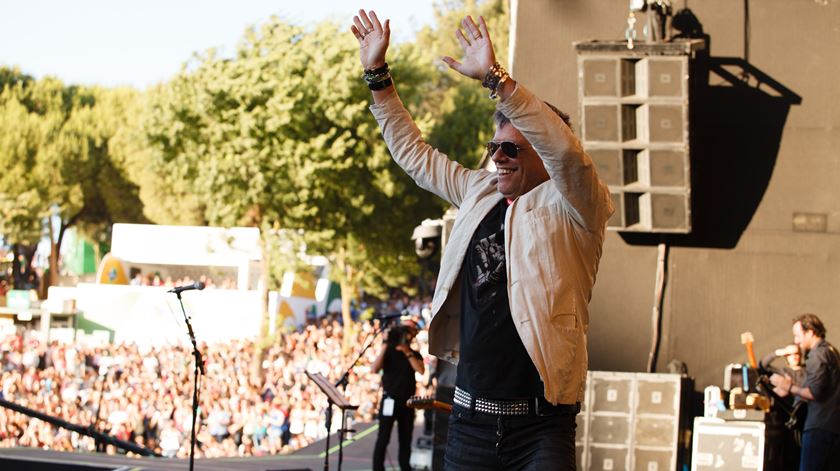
[{"x": 553, "y": 238}]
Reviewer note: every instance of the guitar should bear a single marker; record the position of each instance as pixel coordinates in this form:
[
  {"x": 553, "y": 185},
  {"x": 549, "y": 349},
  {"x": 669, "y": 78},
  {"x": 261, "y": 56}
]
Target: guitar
[
  {"x": 427, "y": 402},
  {"x": 795, "y": 414}
]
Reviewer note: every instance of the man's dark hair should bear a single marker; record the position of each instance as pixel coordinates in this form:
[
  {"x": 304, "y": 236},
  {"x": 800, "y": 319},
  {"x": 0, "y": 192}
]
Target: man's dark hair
[
  {"x": 500, "y": 119},
  {"x": 811, "y": 322}
]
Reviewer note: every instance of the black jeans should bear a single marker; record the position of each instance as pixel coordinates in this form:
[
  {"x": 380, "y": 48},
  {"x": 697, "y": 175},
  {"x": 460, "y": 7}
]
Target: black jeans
[
  {"x": 480, "y": 441},
  {"x": 404, "y": 416},
  {"x": 819, "y": 450}
]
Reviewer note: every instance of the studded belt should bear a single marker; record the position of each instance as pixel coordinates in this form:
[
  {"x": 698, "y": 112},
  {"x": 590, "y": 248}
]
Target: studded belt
[
  {"x": 493, "y": 407},
  {"x": 532, "y": 406}
]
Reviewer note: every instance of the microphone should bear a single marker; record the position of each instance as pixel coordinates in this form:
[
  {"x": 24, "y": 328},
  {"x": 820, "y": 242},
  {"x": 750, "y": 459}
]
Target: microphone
[{"x": 180, "y": 289}]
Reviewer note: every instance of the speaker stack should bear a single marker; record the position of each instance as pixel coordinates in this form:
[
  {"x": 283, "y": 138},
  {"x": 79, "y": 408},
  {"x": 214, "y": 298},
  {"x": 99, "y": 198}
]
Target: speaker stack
[
  {"x": 634, "y": 110},
  {"x": 633, "y": 421}
]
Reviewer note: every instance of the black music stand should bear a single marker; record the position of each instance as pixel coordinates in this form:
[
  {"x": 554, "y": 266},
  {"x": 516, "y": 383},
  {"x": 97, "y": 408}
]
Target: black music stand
[{"x": 333, "y": 398}]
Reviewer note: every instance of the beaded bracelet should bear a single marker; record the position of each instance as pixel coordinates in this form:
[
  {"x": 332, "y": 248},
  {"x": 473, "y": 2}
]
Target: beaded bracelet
[
  {"x": 378, "y": 70},
  {"x": 377, "y": 75},
  {"x": 494, "y": 79},
  {"x": 378, "y": 78}
]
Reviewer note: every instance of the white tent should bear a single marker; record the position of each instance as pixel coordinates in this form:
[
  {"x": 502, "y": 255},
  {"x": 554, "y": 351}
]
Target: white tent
[{"x": 188, "y": 245}]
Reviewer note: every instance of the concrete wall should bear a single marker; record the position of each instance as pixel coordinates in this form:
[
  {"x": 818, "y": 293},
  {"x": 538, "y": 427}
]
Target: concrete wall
[{"x": 762, "y": 153}]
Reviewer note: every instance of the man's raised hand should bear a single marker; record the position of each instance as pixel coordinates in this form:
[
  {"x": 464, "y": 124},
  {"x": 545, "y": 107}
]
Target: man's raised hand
[
  {"x": 478, "y": 49},
  {"x": 373, "y": 39}
]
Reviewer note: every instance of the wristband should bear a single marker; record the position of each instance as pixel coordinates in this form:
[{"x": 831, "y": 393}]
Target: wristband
[{"x": 381, "y": 84}]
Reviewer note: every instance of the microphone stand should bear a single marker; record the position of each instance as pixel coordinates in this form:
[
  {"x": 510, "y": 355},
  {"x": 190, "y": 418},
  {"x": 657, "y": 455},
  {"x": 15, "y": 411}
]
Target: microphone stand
[
  {"x": 199, "y": 368},
  {"x": 100, "y": 446},
  {"x": 343, "y": 383}
]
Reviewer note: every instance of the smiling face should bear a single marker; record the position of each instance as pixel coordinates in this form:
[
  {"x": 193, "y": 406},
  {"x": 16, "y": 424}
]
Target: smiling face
[{"x": 522, "y": 174}]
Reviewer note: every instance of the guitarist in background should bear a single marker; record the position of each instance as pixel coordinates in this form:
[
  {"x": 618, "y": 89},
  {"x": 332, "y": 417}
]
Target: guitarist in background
[
  {"x": 821, "y": 391},
  {"x": 788, "y": 410}
]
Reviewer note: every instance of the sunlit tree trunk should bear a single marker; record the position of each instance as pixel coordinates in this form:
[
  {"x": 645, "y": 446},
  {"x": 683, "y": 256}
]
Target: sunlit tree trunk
[
  {"x": 349, "y": 279},
  {"x": 263, "y": 338}
]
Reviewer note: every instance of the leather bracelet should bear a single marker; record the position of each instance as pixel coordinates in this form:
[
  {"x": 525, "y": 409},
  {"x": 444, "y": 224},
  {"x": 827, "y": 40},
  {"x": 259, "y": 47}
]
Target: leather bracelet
[{"x": 376, "y": 86}]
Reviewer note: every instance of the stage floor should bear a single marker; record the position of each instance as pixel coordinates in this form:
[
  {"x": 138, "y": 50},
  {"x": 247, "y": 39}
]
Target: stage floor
[{"x": 357, "y": 453}]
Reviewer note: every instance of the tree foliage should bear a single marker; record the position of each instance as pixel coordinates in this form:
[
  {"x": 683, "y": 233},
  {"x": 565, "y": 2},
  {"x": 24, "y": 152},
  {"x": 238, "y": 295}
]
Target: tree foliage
[
  {"x": 463, "y": 111},
  {"x": 59, "y": 174},
  {"x": 280, "y": 137}
]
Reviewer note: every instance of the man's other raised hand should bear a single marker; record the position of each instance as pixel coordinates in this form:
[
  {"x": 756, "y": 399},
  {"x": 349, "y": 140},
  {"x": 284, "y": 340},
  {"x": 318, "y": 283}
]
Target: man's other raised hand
[
  {"x": 478, "y": 49},
  {"x": 373, "y": 38}
]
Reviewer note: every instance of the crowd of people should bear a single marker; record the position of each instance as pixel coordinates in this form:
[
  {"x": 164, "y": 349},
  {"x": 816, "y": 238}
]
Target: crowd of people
[
  {"x": 156, "y": 279},
  {"x": 145, "y": 396}
]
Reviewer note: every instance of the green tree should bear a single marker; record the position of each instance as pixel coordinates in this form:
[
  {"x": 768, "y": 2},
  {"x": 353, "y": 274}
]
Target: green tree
[
  {"x": 21, "y": 208},
  {"x": 135, "y": 147},
  {"x": 279, "y": 136},
  {"x": 55, "y": 146},
  {"x": 463, "y": 112}
]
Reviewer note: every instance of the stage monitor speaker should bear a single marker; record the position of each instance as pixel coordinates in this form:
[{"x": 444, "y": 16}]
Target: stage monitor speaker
[
  {"x": 611, "y": 392},
  {"x": 605, "y": 429},
  {"x": 422, "y": 454},
  {"x": 602, "y": 458},
  {"x": 632, "y": 421},
  {"x": 653, "y": 460},
  {"x": 718, "y": 444},
  {"x": 654, "y": 431}
]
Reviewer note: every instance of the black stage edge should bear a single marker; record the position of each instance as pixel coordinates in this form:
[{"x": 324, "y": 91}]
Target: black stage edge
[{"x": 358, "y": 452}]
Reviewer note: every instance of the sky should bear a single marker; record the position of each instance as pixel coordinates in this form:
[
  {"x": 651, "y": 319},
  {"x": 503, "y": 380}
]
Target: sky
[{"x": 140, "y": 43}]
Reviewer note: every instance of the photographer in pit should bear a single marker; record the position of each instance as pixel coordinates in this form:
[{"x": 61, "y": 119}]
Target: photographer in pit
[{"x": 398, "y": 363}]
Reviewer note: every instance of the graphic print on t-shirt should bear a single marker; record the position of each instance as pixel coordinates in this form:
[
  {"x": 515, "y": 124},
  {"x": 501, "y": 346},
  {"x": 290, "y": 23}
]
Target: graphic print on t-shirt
[{"x": 490, "y": 255}]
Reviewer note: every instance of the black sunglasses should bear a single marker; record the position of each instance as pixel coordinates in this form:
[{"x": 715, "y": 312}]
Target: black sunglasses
[{"x": 509, "y": 148}]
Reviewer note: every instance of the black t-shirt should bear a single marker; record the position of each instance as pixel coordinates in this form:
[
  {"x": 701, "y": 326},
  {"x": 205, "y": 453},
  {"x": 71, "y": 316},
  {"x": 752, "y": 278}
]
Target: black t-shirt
[
  {"x": 822, "y": 376},
  {"x": 398, "y": 375},
  {"x": 493, "y": 362}
]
